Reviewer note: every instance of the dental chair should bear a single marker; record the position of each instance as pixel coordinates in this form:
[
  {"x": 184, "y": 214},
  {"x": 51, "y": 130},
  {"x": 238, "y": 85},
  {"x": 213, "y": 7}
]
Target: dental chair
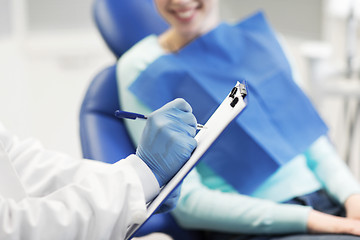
[{"x": 104, "y": 137}]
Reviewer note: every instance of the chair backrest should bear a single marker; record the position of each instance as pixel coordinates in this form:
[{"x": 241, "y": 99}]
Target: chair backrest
[
  {"x": 103, "y": 136},
  {"x": 122, "y": 23}
]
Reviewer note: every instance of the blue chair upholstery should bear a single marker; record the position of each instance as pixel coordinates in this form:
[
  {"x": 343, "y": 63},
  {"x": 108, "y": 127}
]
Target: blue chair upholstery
[
  {"x": 122, "y": 23},
  {"x": 103, "y": 136}
]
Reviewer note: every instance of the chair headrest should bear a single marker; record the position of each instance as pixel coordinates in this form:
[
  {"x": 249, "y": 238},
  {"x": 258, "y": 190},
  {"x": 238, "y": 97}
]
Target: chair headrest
[{"x": 122, "y": 23}]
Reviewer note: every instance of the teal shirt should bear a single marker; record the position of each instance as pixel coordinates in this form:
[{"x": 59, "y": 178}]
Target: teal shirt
[{"x": 209, "y": 202}]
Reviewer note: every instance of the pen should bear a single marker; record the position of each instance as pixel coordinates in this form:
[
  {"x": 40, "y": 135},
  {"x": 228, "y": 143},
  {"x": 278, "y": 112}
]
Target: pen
[{"x": 131, "y": 115}]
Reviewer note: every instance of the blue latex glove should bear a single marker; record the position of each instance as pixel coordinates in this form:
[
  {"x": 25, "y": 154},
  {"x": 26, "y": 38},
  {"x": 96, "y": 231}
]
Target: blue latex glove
[
  {"x": 170, "y": 202},
  {"x": 168, "y": 139}
]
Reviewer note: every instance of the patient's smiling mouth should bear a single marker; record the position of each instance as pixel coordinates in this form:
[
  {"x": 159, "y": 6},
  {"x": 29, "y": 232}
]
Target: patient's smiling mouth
[
  {"x": 188, "y": 19},
  {"x": 186, "y": 12}
]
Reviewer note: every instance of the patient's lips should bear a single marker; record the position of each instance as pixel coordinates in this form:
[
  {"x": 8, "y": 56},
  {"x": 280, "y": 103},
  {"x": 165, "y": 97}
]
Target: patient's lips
[{"x": 186, "y": 13}]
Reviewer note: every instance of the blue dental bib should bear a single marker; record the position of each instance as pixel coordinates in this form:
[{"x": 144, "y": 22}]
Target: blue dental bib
[{"x": 279, "y": 121}]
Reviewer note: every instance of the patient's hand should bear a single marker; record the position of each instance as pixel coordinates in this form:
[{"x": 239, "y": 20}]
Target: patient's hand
[
  {"x": 319, "y": 222},
  {"x": 352, "y": 206}
]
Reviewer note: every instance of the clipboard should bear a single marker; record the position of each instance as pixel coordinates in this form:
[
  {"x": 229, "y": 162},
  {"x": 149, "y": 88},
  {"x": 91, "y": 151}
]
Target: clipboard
[{"x": 227, "y": 111}]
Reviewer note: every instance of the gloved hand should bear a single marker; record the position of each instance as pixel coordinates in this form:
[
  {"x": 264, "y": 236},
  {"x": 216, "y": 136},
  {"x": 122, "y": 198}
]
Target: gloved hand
[
  {"x": 170, "y": 201},
  {"x": 168, "y": 139}
]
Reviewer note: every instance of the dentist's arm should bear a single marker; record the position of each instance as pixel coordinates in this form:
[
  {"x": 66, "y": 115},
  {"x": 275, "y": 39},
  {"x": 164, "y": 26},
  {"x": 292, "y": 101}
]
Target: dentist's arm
[{"x": 93, "y": 200}]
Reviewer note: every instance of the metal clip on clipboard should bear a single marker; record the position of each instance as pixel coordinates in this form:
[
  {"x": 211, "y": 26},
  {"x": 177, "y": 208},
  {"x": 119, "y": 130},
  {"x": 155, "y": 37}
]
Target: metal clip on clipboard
[{"x": 228, "y": 110}]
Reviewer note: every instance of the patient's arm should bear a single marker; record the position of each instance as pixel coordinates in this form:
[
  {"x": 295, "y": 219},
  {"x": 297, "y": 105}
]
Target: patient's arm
[
  {"x": 203, "y": 208},
  {"x": 352, "y": 206},
  {"x": 324, "y": 223},
  {"x": 331, "y": 170}
]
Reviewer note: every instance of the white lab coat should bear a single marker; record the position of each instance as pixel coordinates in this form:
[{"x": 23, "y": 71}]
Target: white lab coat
[{"x": 71, "y": 198}]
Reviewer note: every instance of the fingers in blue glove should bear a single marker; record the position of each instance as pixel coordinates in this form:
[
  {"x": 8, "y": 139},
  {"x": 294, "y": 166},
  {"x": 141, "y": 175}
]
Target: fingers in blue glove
[
  {"x": 170, "y": 202},
  {"x": 180, "y": 104},
  {"x": 168, "y": 139},
  {"x": 180, "y": 111}
]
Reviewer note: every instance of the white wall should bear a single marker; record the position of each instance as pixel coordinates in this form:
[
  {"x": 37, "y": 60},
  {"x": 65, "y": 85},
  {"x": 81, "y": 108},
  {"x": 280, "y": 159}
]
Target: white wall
[
  {"x": 303, "y": 19},
  {"x": 48, "y": 56},
  {"x": 59, "y": 14},
  {"x": 4, "y": 17},
  {"x": 42, "y": 85}
]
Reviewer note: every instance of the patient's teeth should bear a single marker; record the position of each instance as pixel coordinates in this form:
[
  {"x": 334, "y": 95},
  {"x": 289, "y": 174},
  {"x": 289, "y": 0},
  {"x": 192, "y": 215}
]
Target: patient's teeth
[{"x": 185, "y": 14}]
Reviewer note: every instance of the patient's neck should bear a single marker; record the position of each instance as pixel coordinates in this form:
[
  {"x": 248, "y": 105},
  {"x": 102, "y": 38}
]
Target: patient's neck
[{"x": 172, "y": 42}]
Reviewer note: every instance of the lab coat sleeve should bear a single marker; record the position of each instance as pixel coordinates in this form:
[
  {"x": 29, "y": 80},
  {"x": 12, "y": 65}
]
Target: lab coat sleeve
[
  {"x": 202, "y": 208},
  {"x": 331, "y": 170},
  {"x": 43, "y": 171},
  {"x": 82, "y": 199}
]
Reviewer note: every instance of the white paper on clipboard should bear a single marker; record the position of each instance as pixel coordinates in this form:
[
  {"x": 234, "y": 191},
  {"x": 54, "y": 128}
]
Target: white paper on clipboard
[{"x": 231, "y": 107}]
